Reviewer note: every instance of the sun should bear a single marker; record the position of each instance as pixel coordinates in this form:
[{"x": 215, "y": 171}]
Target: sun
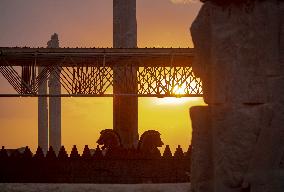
[
  {"x": 179, "y": 90},
  {"x": 175, "y": 101}
]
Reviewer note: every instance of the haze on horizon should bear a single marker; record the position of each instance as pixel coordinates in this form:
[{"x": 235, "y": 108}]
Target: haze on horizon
[{"x": 161, "y": 23}]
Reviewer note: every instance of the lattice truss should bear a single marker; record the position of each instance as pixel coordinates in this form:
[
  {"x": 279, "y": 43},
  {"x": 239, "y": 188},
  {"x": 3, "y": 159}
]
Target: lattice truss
[
  {"x": 25, "y": 79},
  {"x": 74, "y": 80},
  {"x": 99, "y": 80},
  {"x": 168, "y": 81},
  {"x": 86, "y": 80}
]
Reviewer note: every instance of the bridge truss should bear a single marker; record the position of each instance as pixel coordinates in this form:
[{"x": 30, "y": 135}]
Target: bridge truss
[{"x": 89, "y": 72}]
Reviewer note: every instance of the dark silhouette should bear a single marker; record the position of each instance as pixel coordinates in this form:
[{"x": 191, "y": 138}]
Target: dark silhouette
[
  {"x": 109, "y": 139},
  {"x": 74, "y": 153},
  {"x": 3, "y": 153},
  {"x": 86, "y": 153},
  {"x": 39, "y": 154},
  {"x": 179, "y": 153},
  {"x": 149, "y": 142},
  {"x": 131, "y": 167},
  {"x": 62, "y": 155},
  {"x": 50, "y": 155},
  {"x": 111, "y": 144},
  {"x": 167, "y": 153},
  {"x": 230, "y": 2},
  {"x": 98, "y": 153},
  {"x": 27, "y": 155}
]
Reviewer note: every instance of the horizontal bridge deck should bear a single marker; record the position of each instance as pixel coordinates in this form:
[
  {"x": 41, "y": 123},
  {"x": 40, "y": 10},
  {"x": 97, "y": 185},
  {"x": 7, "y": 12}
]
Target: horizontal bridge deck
[
  {"x": 68, "y": 57},
  {"x": 92, "y": 72}
]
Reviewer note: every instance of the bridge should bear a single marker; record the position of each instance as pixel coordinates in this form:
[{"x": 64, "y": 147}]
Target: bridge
[
  {"x": 123, "y": 72},
  {"x": 88, "y": 72}
]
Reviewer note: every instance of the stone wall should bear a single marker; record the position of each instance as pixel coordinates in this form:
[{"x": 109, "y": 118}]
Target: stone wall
[{"x": 239, "y": 56}]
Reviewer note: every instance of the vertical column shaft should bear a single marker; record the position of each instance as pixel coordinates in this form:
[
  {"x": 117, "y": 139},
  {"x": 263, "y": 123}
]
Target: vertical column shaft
[
  {"x": 54, "y": 112},
  {"x": 54, "y": 102},
  {"x": 125, "y": 108},
  {"x": 42, "y": 116}
]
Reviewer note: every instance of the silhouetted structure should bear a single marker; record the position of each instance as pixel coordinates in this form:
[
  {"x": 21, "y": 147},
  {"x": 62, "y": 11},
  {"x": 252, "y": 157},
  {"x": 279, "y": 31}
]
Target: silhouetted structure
[
  {"x": 130, "y": 167},
  {"x": 230, "y": 2},
  {"x": 125, "y": 108},
  {"x": 148, "y": 144}
]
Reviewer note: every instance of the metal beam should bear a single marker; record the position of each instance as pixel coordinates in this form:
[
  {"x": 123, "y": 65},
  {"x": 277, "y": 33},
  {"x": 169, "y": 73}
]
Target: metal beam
[
  {"x": 104, "y": 95},
  {"x": 160, "y": 71},
  {"x": 68, "y": 57}
]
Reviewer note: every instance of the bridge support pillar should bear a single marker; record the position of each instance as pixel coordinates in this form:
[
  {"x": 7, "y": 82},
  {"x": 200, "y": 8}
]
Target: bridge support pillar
[{"x": 125, "y": 107}]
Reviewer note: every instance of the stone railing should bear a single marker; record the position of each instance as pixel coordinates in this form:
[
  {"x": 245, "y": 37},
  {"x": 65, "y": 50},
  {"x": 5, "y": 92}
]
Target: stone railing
[{"x": 93, "y": 166}]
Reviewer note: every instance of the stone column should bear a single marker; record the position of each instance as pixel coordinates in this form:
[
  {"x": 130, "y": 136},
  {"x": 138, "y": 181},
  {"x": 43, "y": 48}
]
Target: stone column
[
  {"x": 125, "y": 107},
  {"x": 201, "y": 154},
  {"x": 42, "y": 115},
  {"x": 238, "y": 56},
  {"x": 54, "y": 103}
]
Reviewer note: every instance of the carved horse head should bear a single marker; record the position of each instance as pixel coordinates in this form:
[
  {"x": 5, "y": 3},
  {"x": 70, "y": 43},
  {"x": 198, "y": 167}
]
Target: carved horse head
[
  {"x": 109, "y": 139},
  {"x": 150, "y": 141}
]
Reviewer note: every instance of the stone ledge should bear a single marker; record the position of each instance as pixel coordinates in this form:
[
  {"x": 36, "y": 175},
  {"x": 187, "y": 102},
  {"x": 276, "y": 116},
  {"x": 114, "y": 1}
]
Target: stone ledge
[{"x": 31, "y": 187}]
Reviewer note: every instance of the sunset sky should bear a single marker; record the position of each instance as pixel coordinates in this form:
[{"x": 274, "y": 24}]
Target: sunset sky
[{"x": 88, "y": 23}]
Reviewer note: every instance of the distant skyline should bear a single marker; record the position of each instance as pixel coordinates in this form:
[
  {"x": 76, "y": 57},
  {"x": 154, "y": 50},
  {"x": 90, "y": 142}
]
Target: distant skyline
[{"x": 88, "y": 23}]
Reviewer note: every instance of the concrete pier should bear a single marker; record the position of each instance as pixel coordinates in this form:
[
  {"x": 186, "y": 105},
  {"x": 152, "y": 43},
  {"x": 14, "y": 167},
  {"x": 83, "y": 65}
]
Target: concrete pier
[{"x": 125, "y": 108}]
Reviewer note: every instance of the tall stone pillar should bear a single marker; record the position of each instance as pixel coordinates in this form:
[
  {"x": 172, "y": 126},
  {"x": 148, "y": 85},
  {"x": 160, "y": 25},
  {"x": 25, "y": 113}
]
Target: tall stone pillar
[
  {"x": 54, "y": 103},
  {"x": 239, "y": 46},
  {"x": 201, "y": 161},
  {"x": 125, "y": 106},
  {"x": 42, "y": 115}
]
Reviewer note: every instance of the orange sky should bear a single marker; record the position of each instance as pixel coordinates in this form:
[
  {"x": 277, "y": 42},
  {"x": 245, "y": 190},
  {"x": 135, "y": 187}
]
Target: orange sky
[{"x": 161, "y": 23}]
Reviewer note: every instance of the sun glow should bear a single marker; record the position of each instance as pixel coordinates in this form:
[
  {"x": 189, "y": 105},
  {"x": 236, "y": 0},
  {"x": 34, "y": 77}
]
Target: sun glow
[
  {"x": 179, "y": 90},
  {"x": 175, "y": 101}
]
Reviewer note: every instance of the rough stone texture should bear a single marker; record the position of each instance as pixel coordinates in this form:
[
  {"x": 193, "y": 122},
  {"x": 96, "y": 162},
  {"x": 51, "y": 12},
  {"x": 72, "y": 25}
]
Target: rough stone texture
[
  {"x": 180, "y": 187},
  {"x": 125, "y": 108},
  {"x": 235, "y": 133},
  {"x": 124, "y": 24},
  {"x": 230, "y": 48},
  {"x": 240, "y": 60},
  {"x": 201, "y": 161}
]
